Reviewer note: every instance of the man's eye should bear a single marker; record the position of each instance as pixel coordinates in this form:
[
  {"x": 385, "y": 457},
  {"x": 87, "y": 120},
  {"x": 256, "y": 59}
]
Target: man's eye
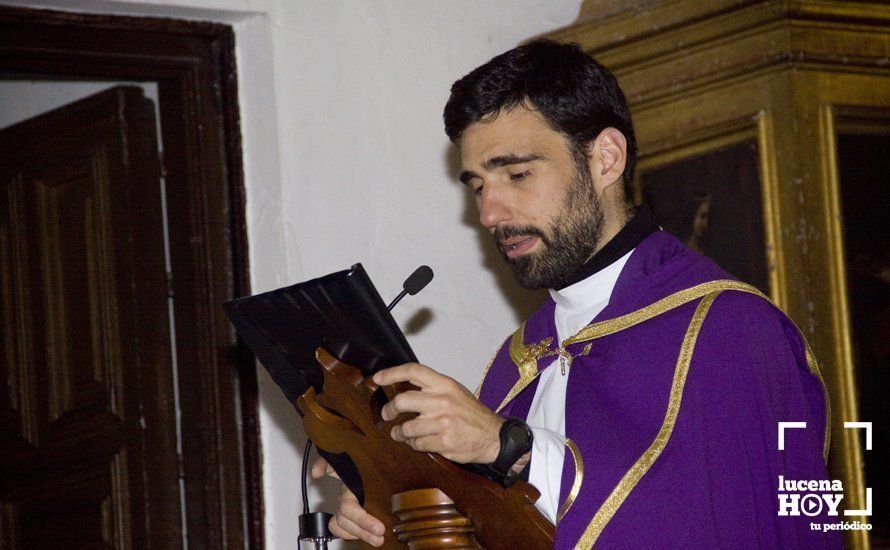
[
  {"x": 477, "y": 191},
  {"x": 520, "y": 176}
]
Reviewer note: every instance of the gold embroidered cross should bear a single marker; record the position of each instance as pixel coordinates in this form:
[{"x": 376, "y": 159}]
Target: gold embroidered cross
[
  {"x": 528, "y": 364},
  {"x": 532, "y": 352},
  {"x": 537, "y": 351}
]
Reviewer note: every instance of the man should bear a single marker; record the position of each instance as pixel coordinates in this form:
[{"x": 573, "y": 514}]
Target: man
[{"x": 652, "y": 382}]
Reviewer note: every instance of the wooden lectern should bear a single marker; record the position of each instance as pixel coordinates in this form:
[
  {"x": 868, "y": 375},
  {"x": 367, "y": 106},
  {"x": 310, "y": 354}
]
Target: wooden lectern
[{"x": 425, "y": 500}]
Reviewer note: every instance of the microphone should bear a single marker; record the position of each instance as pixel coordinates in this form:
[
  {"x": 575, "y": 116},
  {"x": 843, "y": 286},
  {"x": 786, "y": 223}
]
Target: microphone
[{"x": 413, "y": 284}]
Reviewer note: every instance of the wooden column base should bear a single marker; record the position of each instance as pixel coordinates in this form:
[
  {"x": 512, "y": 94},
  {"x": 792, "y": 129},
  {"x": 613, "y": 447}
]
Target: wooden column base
[{"x": 428, "y": 519}]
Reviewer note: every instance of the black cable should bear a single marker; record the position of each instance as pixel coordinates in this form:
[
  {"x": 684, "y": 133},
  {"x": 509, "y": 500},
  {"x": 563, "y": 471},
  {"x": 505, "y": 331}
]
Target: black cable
[
  {"x": 313, "y": 527},
  {"x": 305, "y": 465}
]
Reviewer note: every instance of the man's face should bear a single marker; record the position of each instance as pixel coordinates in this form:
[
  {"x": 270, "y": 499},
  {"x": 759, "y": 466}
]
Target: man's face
[{"x": 534, "y": 195}]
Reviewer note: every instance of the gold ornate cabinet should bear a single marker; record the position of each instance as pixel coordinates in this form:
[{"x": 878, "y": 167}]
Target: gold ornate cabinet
[{"x": 762, "y": 127}]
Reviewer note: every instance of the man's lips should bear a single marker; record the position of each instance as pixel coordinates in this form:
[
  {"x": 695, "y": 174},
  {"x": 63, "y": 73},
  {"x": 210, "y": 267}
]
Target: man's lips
[{"x": 517, "y": 246}]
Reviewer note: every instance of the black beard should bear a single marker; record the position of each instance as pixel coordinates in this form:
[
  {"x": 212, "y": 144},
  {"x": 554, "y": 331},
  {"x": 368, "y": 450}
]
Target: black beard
[{"x": 570, "y": 241}]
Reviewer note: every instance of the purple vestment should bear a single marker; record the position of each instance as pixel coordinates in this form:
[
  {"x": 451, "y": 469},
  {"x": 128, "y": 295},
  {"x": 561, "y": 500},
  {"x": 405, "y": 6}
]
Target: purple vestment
[{"x": 672, "y": 409}]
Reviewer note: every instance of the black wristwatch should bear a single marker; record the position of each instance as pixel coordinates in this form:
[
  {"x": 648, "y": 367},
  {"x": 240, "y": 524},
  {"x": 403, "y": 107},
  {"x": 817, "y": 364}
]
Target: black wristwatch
[{"x": 516, "y": 440}]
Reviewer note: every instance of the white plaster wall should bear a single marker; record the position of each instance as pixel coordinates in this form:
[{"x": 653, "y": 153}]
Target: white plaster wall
[
  {"x": 369, "y": 174},
  {"x": 346, "y": 160}
]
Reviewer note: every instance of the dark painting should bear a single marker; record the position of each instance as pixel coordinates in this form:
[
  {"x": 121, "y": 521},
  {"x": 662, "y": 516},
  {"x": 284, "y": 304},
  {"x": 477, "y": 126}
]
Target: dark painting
[
  {"x": 712, "y": 202},
  {"x": 864, "y": 162}
]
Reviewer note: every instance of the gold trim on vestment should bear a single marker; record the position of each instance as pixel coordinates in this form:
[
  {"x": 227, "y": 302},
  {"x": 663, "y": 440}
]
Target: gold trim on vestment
[
  {"x": 677, "y": 299},
  {"x": 526, "y": 360},
  {"x": 641, "y": 466},
  {"x": 485, "y": 373},
  {"x": 576, "y": 485},
  {"x": 528, "y": 371},
  {"x": 517, "y": 341}
]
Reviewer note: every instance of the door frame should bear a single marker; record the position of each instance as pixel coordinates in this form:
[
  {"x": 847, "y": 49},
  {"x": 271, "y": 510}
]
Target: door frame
[{"x": 193, "y": 64}]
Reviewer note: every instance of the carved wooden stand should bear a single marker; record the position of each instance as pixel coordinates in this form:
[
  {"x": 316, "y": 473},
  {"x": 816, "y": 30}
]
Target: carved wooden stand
[
  {"x": 424, "y": 500},
  {"x": 429, "y": 519}
]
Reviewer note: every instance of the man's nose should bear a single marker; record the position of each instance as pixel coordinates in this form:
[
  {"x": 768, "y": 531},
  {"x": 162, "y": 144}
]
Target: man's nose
[{"x": 493, "y": 207}]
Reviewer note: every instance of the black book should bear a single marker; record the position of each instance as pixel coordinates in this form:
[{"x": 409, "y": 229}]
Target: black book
[{"x": 341, "y": 312}]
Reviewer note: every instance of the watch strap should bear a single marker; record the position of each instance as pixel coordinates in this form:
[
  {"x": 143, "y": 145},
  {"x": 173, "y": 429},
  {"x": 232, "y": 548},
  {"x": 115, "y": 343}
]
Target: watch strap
[{"x": 516, "y": 440}]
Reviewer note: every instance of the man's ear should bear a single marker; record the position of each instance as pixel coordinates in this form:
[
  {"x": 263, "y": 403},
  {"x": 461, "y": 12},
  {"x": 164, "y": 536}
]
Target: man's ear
[{"x": 608, "y": 156}]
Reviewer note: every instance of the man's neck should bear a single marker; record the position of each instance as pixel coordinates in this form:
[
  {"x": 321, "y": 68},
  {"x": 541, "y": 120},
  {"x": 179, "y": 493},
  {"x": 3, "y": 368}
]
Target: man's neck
[
  {"x": 623, "y": 240},
  {"x": 613, "y": 225}
]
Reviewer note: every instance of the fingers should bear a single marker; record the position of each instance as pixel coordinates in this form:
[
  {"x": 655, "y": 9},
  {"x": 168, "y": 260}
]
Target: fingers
[
  {"x": 420, "y": 427},
  {"x": 472, "y": 430},
  {"x": 352, "y": 521},
  {"x": 420, "y": 375},
  {"x": 321, "y": 467},
  {"x": 432, "y": 443},
  {"x": 424, "y": 435},
  {"x": 429, "y": 444},
  {"x": 413, "y": 402},
  {"x": 346, "y": 529}
]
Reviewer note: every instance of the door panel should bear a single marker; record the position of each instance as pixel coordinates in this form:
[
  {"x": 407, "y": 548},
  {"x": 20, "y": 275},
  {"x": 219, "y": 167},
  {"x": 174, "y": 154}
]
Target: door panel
[{"x": 87, "y": 432}]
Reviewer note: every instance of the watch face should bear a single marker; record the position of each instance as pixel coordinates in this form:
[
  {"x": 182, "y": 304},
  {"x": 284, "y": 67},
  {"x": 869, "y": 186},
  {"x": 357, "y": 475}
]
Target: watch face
[{"x": 519, "y": 435}]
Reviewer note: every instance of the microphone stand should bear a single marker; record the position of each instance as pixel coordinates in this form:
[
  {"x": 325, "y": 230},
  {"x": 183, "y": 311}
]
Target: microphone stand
[
  {"x": 397, "y": 299},
  {"x": 313, "y": 525}
]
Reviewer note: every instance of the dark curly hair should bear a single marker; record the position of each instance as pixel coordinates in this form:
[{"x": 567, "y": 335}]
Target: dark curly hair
[{"x": 577, "y": 96}]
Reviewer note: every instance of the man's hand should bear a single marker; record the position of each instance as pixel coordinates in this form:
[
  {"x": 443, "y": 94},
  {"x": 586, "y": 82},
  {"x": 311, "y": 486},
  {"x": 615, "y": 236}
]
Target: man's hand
[
  {"x": 450, "y": 421},
  {"x": 351, "y": 521}
]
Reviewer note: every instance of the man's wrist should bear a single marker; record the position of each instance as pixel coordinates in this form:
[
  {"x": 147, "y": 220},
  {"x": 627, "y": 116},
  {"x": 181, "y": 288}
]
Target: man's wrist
[
  {"x": 521, "y": 464},
  {"x": 516, "y": 439},
  {"x": 493, "y": 448}
]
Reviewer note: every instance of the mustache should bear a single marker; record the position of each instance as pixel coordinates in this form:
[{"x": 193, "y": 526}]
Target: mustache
[{"x": 508, "y": 231}]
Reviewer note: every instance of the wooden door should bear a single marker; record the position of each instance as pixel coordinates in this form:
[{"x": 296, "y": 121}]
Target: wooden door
[{"x": 88, "y": 448}]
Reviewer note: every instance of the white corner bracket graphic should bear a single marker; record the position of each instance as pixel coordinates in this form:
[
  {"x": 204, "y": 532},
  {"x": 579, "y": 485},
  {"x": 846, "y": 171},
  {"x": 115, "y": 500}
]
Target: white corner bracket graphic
[
  {"x": 785, "y": 425},
  {"x": 866, "y": 426},
  {"x": 867, "y": 511}
]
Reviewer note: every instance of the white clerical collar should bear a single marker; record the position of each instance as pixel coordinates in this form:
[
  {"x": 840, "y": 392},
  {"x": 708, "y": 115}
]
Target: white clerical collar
[{"x": 596, "y": 288}]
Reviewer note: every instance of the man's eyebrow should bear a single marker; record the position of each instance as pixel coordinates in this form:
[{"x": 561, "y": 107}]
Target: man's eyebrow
[
  {"x": 498, "y": 162},
  {"x": 507, "y": 160}
]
